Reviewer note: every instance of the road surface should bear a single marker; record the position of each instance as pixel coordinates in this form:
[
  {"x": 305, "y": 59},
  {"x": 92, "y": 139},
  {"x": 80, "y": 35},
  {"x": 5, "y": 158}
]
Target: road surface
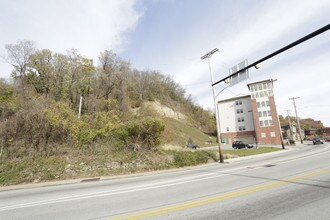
[{"x": 290, "y": 184}]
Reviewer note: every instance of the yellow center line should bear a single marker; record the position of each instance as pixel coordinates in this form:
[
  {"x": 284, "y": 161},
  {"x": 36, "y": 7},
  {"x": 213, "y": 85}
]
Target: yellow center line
[{"x": 212, "y": 199}]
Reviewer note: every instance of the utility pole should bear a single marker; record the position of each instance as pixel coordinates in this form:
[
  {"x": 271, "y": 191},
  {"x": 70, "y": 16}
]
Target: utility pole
[
  {"x": 80, "y": 104},
  {"x": 288, "y": 114},
  {"x": 295, "y": 109},
  {"x": 208, "y": 57}
]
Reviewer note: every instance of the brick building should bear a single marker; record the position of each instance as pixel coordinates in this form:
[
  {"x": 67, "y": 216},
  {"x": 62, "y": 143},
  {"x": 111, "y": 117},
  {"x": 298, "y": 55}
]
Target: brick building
[{"x": 251, "y": 118}]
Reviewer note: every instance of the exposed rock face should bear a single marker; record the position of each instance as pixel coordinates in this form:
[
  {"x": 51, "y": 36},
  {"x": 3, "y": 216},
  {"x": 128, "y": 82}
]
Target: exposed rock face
[{"x": 166, "y": 111}]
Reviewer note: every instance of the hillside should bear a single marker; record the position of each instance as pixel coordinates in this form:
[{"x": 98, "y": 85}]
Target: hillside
[{"x": 62, "y": 117}]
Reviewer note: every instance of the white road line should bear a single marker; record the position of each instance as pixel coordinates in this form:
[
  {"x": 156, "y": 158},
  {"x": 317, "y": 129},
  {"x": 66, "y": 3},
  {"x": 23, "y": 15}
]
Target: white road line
[{"x": 122, "y": 191}]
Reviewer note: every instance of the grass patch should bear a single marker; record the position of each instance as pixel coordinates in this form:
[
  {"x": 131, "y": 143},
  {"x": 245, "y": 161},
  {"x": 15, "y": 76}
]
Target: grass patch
[
  {"x": 249, "y": 152},
  {"x": 177, "y": 133}
]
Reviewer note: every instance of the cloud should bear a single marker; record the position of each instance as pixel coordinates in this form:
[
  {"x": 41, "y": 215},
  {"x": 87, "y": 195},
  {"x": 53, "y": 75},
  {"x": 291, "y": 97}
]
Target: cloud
[{"x": 90, "y": 26}]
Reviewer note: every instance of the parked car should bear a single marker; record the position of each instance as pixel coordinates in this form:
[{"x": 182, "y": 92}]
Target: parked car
[
  {"x": 317, "y": 141},
  {"x": 327, "y": 138},
  {"x": 241, "y": 144}
]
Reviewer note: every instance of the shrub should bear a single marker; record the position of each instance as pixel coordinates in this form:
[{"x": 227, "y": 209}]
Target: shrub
[{"x": 138, "y": 134}]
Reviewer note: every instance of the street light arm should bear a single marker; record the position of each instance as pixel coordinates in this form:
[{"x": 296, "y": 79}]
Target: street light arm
[{"x": 255, "y": 64}]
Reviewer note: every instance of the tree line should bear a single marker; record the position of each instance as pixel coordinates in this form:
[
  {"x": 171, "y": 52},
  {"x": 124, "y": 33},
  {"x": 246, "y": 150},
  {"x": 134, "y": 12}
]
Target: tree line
[{"x": 39, "y": 106}]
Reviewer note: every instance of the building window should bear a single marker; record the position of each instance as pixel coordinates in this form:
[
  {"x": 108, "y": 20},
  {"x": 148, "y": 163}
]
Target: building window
[
  {"x": 266, "y": 122},
  {"x": 237, "y": 111},
  {"x": 261, "y": 94},
  {"x": 266, "y": 93},
  {"x": 239, "y": 128},
  {"x": 258, "y": 104},
  {"x": 261, "y": 123},
  {"x": 239, "y": 119},
  {"x": 253, "y": 96},
  {"x": 263, "y": 135},
  {"x": 243, "y": 128},
  {"x": 272, "y": 134},
  {"x": 241, "y": 110},
  {"x": 242, "y": 119},
  {"x": 267, "y": 103},
  {"x": 263, "y": 104},
  {"x": 264, "y": 114},
  {"x": 260, "y": 114},
  {"x": 260, "y": 87},
  {"x": 269, "y": 113},
  {"x": 227, "y": 128},
  {"x": 257, "y": 94},
  {"x": 270, "y": 122},
  {"x": 264, "y": 85}
]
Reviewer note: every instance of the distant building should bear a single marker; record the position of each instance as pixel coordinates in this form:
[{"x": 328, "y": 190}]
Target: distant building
[{"x": 251, "y": 118}]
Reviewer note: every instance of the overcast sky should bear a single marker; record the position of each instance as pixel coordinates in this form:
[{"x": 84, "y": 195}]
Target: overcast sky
[{"x": 172, "y": 35}]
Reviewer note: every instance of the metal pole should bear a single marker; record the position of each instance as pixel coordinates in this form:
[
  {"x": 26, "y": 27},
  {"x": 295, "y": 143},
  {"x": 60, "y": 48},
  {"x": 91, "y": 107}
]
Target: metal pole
[
  {"x": 80, "y": 104},
  {"x": 295, "y": 109},
  {"x": 208, "y": 57},
  {"x": 216, "y": 112}
]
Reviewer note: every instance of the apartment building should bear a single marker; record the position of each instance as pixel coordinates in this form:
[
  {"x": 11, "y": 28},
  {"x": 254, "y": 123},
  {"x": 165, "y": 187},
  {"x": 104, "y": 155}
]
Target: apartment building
[{"x": 251, "y": 118}]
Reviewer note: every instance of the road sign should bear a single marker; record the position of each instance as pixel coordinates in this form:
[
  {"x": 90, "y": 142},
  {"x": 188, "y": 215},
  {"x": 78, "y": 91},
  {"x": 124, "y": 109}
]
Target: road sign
[{"x": 239, "y": 77}]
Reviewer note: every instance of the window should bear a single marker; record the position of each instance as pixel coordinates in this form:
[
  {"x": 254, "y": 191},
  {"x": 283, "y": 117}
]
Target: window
[
  {"x": 260, "y": 87},
  {"x": 263, "y": 104},
  {"x": 272, "y": 134},
  {"x": 239, "y": 128},
  {"x": 261, "y": 94},
  {"x": 255, "y": 87},
  {"x": 239, "y": 119},
  {"x": 257, "y": 95},
  {"x": 269, "y": 113},
  {"x": 253, "y": 96},
  {"x": 227, "y": 128},
  {"x": 267, "y": 103},
  {"x": 263, "y": 135},
  {"x": 260, "y": 114},
  {"x": 252, "y": 88},
  {"x": 241, "y": 110},
  {"x": 243, "y": 128},
  {"x": 261, "y": 123},
  {"x": 258, "y": 104},
  {"x": 266, "y": 122},
  {"x": 240, "y": 102},
  {"x": 265, "y": 93},
  {"x": 242, "y": 119},
  {"x": 264, "y": 114},
  {"x": 270, "y": 122},
  {"x": 264, "y": 85},
  {"x": 237, "y": 111}
]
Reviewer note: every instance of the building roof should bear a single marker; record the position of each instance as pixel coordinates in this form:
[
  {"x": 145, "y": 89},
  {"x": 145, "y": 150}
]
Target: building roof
[
  {"x": 234, "y": 98},
  {"x": 267, "y": 80}
]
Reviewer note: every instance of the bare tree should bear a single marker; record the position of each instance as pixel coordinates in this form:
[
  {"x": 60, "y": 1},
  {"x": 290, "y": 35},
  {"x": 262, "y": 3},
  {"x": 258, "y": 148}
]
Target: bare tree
[{"x": 19, "y": 56}]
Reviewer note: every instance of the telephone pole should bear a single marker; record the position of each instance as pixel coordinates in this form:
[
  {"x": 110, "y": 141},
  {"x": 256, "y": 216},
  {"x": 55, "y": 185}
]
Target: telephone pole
[{"x": 295, "y": 109}]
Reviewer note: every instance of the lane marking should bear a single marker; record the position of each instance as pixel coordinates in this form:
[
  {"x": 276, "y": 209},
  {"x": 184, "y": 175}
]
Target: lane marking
[
  {"x": 122, "y": 191},
  {"x": 213, "y": 199}
]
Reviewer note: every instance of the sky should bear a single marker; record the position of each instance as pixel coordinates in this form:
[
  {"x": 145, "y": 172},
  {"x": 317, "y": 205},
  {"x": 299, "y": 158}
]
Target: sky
[{"x": 170, "y": 36}]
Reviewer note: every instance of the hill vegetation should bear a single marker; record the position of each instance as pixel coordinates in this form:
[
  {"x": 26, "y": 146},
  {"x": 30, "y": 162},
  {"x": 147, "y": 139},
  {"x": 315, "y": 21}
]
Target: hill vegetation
[{"x": 62, "y": 116}]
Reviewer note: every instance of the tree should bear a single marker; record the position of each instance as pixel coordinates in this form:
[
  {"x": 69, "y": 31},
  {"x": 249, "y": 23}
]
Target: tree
[{"x": 19, "y": 55}]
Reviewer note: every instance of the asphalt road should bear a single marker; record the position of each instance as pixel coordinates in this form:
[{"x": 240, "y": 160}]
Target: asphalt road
[{"x": 290, "y": 184}]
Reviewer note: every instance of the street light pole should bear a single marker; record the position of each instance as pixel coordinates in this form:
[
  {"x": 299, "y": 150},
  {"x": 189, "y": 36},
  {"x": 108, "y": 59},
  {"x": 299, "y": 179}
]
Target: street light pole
[
  {"x": 295, "y": 109},
  {"x": 208, "y": 57}
]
